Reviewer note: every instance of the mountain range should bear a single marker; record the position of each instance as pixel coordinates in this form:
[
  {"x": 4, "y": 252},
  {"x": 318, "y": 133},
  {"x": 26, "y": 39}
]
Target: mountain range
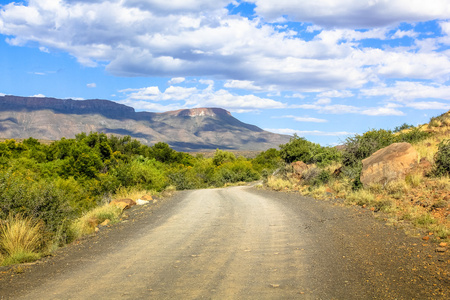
[{"x": 184, "y": 130}]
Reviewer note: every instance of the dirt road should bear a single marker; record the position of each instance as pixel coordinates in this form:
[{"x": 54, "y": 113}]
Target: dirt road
[{"x": 240, "y": 243}]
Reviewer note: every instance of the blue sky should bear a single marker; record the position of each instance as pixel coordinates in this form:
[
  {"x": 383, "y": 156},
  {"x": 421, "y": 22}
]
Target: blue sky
[{"x": 322, "y": 69}]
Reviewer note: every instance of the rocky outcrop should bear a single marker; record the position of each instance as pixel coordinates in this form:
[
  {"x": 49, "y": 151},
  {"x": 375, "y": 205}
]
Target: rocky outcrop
[
  {"x": 298, "y": 168},
  {"x": 388, "y": 164},
  {"x": 123, "y": 203}
]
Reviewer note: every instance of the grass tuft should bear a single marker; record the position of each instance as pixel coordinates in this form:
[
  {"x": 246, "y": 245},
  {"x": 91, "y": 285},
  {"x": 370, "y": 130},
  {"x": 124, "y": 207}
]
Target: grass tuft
[
  {"x": 87, "y": 223},
  {"x": 20, "y": 239},
  {"x": 278, "y": 184}
]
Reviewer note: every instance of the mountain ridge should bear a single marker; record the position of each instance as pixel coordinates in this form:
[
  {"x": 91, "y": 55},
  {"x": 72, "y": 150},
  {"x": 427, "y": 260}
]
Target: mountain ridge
[{"x": 184, "y": 130}]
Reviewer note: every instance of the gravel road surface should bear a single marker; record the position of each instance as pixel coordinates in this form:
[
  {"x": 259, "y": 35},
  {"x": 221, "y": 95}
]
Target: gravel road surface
[{"x": 239, "y": 243}]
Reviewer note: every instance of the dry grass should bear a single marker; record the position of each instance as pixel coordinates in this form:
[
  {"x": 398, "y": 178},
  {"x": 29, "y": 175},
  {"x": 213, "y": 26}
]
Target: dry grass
[
  {"x": 442, "y": 183},
  {"x": 318, "y": 192},
  {"x": 427, "y": 148},
  {"x": 87, "y": 223},
  {"x": 131, "y": 193},
  {"x": 279, "y": 184},
  {"x": 360, "y": 197},
  {"x": 414, "y": 180},
  {"x": 21, "y": 239},
  {"x": 396, "y": 188}
]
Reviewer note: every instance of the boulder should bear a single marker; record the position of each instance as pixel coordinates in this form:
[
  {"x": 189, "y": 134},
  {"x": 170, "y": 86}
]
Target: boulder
[
  {"x": 388, "y": 164},
  {"x": 147, "y": 197},
  {"x": 142, "y": 202},
  {"x": 298, "y": 167},
  {"x": 123, "y": 203}
]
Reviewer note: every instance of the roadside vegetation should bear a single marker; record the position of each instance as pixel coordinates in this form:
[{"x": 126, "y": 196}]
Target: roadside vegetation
[
  {"x": 51, "y": 194},
  {"x": 422, "y": 198}
]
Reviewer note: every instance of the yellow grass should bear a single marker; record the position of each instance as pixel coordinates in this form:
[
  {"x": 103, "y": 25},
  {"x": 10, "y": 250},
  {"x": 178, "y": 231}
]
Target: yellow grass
[
  {"x": 131, "y": 193},
  {"x": 427, "y": 148},
  {"x": 87, "y": 223},
  {"x": 279, "y": 184},
  {"x": 20, "y": 239}
]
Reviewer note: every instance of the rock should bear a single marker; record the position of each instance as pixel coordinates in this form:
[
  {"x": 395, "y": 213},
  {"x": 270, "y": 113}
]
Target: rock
[
  {"x": 123, "y": 203},
  {"x": 424, "y": 167},
  {"x": 298, "y": 167},
  {"x": 389, "y": 164},
  {"x": 441, "y": 249},
  {"x": 142, "y": 202},
  {"x": 106, "y": 222},
  {"x": 147, "y": 197}
]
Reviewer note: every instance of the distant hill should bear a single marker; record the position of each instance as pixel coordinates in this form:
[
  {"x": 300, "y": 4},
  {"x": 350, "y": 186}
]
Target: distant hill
[{"x": 184, "y": 130}]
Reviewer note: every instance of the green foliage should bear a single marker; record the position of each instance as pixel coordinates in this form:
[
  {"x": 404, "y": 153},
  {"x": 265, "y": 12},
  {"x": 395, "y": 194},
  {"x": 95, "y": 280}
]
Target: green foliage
[
  {"x": 360, "y": 147},
  {"x": 60, "y": 182},
  {"x": 414, "y": 135},
  {"x": 221, "y": 157},
  {"x": 442, "y": 159},
  {"x": 299, "y": 149},
  {"x": 403, "y": 127}
]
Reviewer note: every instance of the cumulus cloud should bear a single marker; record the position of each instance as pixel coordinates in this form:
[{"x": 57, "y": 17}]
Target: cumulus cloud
[
  {"x": 290, "y": 131},
  {"x": 91, "y": 85},
  {"x": 186, "y": 38},
  {"x": 176, "y": 80},
  {"x": 353, "y": 13},
  {"x": 305, "y": 119},
  {"x": 181, "y": 97},
  {"x": 407, "y": 91}
]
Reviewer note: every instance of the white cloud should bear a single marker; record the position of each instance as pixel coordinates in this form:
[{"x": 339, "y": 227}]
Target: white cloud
[
  {"x": 429, "y": 105},
  {"x": 91, "y": 85},
  {"x": 242, "y": 84},
  {"x": 306, "y": 132},
  {"x": 387, "y": 110},
  {"x": 1, "y": 94},
  {"x": 145, "y": 98},
  {"x": 38, "y": 96},
  {"x": 198, "y": 38},
  {"x": 176, "y": 80},
  {"x": 407, "y": 91},
  {"x": 402, "y": 33},
  {"x": 353, "y": 13},
  {"x": 305, "y": 119},
  {"x": 336, "y": 94}
]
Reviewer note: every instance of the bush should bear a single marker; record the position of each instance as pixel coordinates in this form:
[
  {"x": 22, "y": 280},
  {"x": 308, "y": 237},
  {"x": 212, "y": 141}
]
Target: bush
[
  {"x": 299, "y": 149},
  {"x": 360, "y": 147},
  {"x": 442, "y": 159},
  {"x": 40, "y": 200},
  {"x": 412, "y": 136}
]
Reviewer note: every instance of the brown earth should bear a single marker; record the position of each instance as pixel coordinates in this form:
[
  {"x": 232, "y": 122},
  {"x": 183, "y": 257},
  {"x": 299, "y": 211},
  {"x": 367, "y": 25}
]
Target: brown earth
[{"x": 239, "y": 243}]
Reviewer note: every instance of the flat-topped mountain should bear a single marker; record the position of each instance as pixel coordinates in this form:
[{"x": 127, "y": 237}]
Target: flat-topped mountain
[{"x": 183, "y": 130}]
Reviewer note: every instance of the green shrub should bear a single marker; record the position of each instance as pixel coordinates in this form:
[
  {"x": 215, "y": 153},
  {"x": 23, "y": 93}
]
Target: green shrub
[
  {"x": 442, "y": 159},
  {"x": 360, "y": 147},
  {"x": 40, "y": 200},
  {"x": 299, "y": 149},
  {"x": 221, "y": 157},
  {"x": 403, "y": 127},
  {"x": 412, "y": 136}
]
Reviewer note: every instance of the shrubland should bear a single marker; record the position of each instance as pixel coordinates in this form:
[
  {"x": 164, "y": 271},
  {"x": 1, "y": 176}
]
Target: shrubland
[
  {"x": 58, "y": 191},
  {"x": 420, "y": 199}
]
